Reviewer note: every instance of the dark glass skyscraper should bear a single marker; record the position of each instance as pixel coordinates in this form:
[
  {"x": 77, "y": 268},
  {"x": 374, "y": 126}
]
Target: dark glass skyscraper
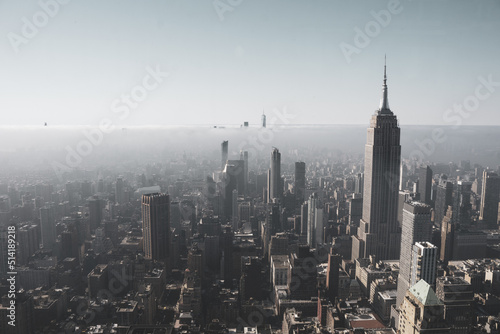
[
  {"x": 378, "y": 233},
  {"x": 424, "y": 184},
  {"x": 156, "y": 226},
  {"x": 274, "y": 189},
  {"x": 300, "y": 180},
  {"x": 489, "y": 198}
]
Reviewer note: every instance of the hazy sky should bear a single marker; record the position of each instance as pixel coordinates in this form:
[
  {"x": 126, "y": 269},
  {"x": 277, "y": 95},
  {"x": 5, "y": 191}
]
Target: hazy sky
[{"x": 230, "y": 59}]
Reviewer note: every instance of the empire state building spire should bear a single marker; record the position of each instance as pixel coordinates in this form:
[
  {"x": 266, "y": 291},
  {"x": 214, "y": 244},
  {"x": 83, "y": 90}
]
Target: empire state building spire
[{"x": 384, "y": 101}]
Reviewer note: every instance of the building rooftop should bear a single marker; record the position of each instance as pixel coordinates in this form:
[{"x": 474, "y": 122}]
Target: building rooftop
[{"x": 424, "y": 293}]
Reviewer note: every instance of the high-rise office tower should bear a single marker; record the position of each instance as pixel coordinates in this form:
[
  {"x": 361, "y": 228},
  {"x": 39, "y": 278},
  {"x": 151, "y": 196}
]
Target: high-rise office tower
[
  {"x": 444, "y": 197},
  {"x": 300, "y": 180},
  {"x": 274, "y": 218},
  {"x": 95, "y": 212},
  {"x": 332, "y": 276},
  {"x": 244, "y": 157},
  {"x": 424, "y": 184},
  {"x": 302, "y": 270},
  {"x": 304, "y": 212},
  {"x": 234, "y": 210},
  {"x": 416, "y": 226},
  {"x": 447, "y": 236},
  {"x": 355, "y": 207},
  {"x": 274, "y": 188},
  {"x": 489, "y": 198},
  {"x": 424, "y": 259},
  {"x": 119, "y": 191},
  {"x": 312, "y": 206},
  {"x": 358, "y": 183},
  {"x": 263, "y": 119},
  {"x": 378, "y": 233},
  {"x": 48, "y": 226},
  {"x": 461, "y": 203},
  {"x": 233, "y": 179},
  {"x": 225, "y": 150},
  {"x": 156, "y": 226}
]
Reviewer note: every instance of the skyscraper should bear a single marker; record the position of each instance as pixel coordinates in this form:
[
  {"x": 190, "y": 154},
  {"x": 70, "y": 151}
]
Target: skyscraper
[
  {"x": 225, "y": 150},
  {"x": 300, "y": 180},
  {"x": 156, "y": 226},
  {"x": 416, "y": 226},
  {"x": 447, "y": 236},
  {"x": 263, "y": 119},
  {"x": 489, "y": 198},
  {"x": 304, "y": 212},
  {"x": 48, "y": 226},
  {"x": 233, "y": 179},
  {"x": 95, "y": 212},
  {"x": 119, "y": 191},
  {"x": 312, "y": 206},
  {"x": 424, "y": 259},
  {"x": 378, "y": 233},
  {"x": 244, "y": 157},
  {"x": 461, "y": 203},
  {"x": 332, "y": 276},
  {"x": 358, "y": 183},
  {"x": 274, "y": 189},
  {"x": 444, "y": 198},
  {"x": 424, "y": 184}
]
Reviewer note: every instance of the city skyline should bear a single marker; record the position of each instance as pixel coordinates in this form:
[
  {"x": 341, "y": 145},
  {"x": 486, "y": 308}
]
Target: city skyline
[{"x": 171, "y": 167}]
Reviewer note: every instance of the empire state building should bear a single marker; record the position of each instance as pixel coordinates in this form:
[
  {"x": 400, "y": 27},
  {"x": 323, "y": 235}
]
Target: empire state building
[{"x": 378, "y": 232}]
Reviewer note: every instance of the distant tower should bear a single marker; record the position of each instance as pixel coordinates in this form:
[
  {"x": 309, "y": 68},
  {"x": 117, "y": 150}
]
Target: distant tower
[
  {"x": 424, "y": 184},
  {"x": 444, "y": 195},
  {"x": 489, "y": 198},
  {"x": 378, "y": 233},
  {"x": 447, "y": 236},
  {"x": 95, "y": 212},
  {"x": 224, "y": 148},
  {"x": 156, "y": 226},
  {"x": 461, "y": 202},
  {"x": 48, "y": 226},
  {"x": 263, "y": 119},
  {"x": 304, "y": 212},
  {"x": 244, "y": 157},
  {"x": 300, "y": 180},
  {"x": 416, "y": 226},
  {"x": 274, "y": 189},
  {"x": 233, "y": 180},
  {"x": 315, "y": 223},
  {"x": 119, "y": 191},
  {"x": 332, "y": 276}
]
